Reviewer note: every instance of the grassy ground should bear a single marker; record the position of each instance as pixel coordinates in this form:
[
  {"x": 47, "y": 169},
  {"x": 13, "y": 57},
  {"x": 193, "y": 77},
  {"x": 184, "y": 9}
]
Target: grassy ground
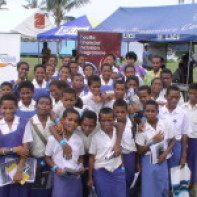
[{"x": 33, "y": 61}]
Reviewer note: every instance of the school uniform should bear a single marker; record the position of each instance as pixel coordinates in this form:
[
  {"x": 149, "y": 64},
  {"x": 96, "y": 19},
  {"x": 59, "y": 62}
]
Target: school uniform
[
  {"x": 40, "y": 91},
  {"x": 66, "y": 186},
  {"x": 12, "y": 137},
  {"x": 181, "y": 126},
  {"x": 26, "y": 111},
  {"x": 192, "y": 141},
  {"x": 150, "y": 75},
  {"x": 109, "y": 178},
  {"x": 128, "y": 154},
  {"x": 106, "y": 86},
  {"x": 155, "y": 181}
]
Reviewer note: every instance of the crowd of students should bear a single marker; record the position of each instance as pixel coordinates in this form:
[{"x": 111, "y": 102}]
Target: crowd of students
[{"x": 93, "y": 127}]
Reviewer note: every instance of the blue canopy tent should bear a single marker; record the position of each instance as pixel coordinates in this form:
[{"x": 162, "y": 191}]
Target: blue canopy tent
[{"x": 159, "y": 24}]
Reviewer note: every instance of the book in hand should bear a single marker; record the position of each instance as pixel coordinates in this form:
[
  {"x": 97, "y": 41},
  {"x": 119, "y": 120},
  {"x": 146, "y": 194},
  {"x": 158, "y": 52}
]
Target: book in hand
[{"x": 9, "y": 168}]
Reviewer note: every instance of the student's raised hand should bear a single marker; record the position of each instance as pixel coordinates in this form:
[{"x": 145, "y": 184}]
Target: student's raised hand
[
  {"x": 183, "y": 161},
  {"x": 18, "y": 177},
  {"x": 162, "y": 158},
  {"x": 158, "y": 137},
  {"x": 21, "y": 151},
  {"x": 59, "y": 172},
  {"x": 67, "y": 151},
  {"x": 90, "y": 182},
  {"x": 107, "y": 96}
]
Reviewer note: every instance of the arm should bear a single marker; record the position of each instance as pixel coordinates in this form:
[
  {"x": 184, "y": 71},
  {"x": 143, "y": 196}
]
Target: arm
[
  {"x": 19, "y": 173},
  {"x": 90, "y": 171},
  {"x": 19, "y": 150},
  {"x": 184, "y": 150},
  {"x": 142, "y": 150}
]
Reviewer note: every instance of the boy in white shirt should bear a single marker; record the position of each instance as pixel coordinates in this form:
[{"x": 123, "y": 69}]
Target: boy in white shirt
[
  {"x": 191, "y": 109},
  {"x": 109, "y": 175}
]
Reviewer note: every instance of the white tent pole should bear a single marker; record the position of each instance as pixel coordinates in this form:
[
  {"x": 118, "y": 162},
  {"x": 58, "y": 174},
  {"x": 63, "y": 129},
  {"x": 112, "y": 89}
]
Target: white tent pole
[
  {"x": 38, "y": 52},
  {"x": 188, "y": 66}
]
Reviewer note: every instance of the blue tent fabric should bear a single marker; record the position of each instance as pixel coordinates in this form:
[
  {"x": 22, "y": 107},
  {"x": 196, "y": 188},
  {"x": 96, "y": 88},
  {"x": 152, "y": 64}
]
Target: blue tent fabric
[
  {"x": 67, "y": 30},
  {"x": 160, "y": 24}
]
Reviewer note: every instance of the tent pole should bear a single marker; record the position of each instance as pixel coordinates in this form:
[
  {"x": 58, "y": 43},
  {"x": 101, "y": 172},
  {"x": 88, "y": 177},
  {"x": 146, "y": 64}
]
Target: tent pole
[
  {"x": 38, "y": 52},
  {"x": 188, "y": 66},
  {"x": 128, "y": 43}
]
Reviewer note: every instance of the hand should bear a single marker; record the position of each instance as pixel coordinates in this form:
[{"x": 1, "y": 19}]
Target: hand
[
  {"x": 117, "y": 150},
  {"x": 141, "y": 127},
  {"x": 60, "y": 127},
  {"x": 158, "y": 137},
  {"x": 162, "y": 158},
  {"x": 107, "y": 97},
  {"x": 120, "y": 126},
  {"x": 21, "y": 151},
  {"x": 53, "y": 116},
  {"x": 59, "y": 172},
  {"x": 138, "y": 167},
  {"x": 90, "y": 182},
  {"x": 67, "y": 151},
  {"x": 183, "y": 161},
  {"x": 18, "y": 177}
]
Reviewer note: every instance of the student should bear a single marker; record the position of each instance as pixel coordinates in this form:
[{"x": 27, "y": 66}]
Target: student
[
  {"x": 12, "y": 136},
  {"x": 39, "y": 82},
  {"x": 67, "y": 181},
  {"x": 64, "y": 74},
  {"x": 106, "y": 172},
  {"x": 144, "y": 94},
  {"x": 39, "y": 130},
  {"x": 69, "y": 100},
  {"x": 120, "y": 109},
  {"x": 111, "y": 59},
  {"x": 106, "y": 80},
  {"x": 93, "y": 100},
  {"x": 56, "y": 89},
  {"x": 155, "y": 181},
  {"x": 74, "y": 68},
  {"x": 191, "y": 109},
  {"x": 78, "y": 85},
  {"x": 181, "y": 126},
  {"x": 66, "y": 60},
  {"x": 50, "y": 70},
  {"x": 156, "y": 63},
  {"x": 26, "y": 105},
  {"x": 6, "y": 87}
]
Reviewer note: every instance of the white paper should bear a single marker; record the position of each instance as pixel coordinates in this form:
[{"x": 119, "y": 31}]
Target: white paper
[{"x": 135, "y": 179}]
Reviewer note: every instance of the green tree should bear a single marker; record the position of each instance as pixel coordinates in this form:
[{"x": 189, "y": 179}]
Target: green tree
[
  {"x": 59, "y": 8},
  {"x": 2, "y": 2},
  {"x": 34, "y": 4}
]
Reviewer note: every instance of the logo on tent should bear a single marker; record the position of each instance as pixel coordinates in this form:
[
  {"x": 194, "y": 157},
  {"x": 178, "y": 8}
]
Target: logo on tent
[{"x": 70, "y": 30}]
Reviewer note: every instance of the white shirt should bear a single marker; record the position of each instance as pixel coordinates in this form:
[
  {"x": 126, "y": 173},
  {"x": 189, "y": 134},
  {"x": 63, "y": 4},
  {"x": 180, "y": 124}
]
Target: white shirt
[
  {"x": 179, "y": 120},
  {"x": 128, "y": 143},
  {"x": 192, "y": 113},
  {"x": 54, "y": 149},
  {"x": 89, "y": 103},
  {"x": 36, "y": 85},
  {"x": 144, "y": 137},
  {"x": 87, "y": 139},
  {"x": 101, "y": 146},
  {"x": 31, "y": 107},
  {"x": 4, "y": 129},
  {"x": 37, "y": 147},
  {"x": 110, "y": 82}
]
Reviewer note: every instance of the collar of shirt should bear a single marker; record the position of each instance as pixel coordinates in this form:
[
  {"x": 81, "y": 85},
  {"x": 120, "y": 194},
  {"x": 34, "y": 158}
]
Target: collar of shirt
[
  {"x": 37, "y": 121},
  {"x": 189, "y": 106},
  {"x": 166, "y": 111},
  {"x": 31, "y": 107},
  {"x": 35, "y": 83},
  {"x": 110, "y": 82}
]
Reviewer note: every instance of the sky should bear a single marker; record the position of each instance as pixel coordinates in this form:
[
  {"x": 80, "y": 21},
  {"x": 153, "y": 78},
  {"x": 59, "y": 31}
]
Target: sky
[{"x": 98, "y": 10}]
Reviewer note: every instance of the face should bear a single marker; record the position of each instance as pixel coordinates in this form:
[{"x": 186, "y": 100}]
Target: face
[
  {"x": 50, "y": 70},
  {"x": 26, "y": 95},
  {"x": 110, "y": 60},
  {"x": 130, "y": 71},
  {"x": 56, "y": 93},
  {"x": 95, "y": 88},
  {"x": 173, "y": 98},
  {"x": 144, "y": 96},
  {"x": 64, "y": 73},
  {"x": 40, "y": 74},
  {"x": 6, "y": 89},
  {"x": 71, "y": 122},
  {"x": 166, "y": 79},
  {"x": 130, "y": 61},
  {"x": 81, "y": 60},
  {"x": 88, "y": 125},
  {"x": 74, "y": 68},
  {"x": 156, "y": 86},
  {"x": 44, "y": 106},
  {"x": 120, "y": 91},
  {"x": 69, "y": 100},
  {"x": 106, "y": 72},
  {"x": 8, "y": 109},
  {"x": 52, "y": 61},
  {"x": 106, "y": 121},
  {"x": 131, "y": 84},
  {"x": 120, "y": 113},
  {"x": 151, "y": 112},
  {"x": 78, "y": 82},
  {"x": 88, "y": 71},
  {"x": 66, "y": 60},
  {"x": 156, "y": 63},
  {"x": 192, "y": 94},
  {"x": 23, "y": 71}
]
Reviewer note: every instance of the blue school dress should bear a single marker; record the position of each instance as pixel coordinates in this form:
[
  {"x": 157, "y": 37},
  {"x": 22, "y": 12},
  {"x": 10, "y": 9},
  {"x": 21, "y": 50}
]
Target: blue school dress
[
  {"x": 25, "y": 114},
  {"x": 10, "y": 140},
  {"x": 40, "y": 92}
]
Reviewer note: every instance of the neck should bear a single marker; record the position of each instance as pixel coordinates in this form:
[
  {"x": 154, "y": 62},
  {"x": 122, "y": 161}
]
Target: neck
[
  {"x": 152, "y": 122},
  {"x": 155, "y": 94},
  {"x": 42, "y": 118},
  {"x": 170, "y": 108},
  {"x": 78, "y": 90},
  {"x": 10, "y": 120},
  {"x": 106, "y": 80},
  {"x": 67, "y": 134},
  {"x": 27, "y": 103},
  {"x": 192, "y": 103}
]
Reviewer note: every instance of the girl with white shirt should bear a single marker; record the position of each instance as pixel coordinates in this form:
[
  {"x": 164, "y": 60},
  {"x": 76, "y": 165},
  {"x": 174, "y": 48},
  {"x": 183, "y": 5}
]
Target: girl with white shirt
[
  {"x": 106, "y": 171},
  {"x": 12, "y": 137},
  {"x": 120, "y": 109},
  {"x": 67, "y": 181},
  {"x": 155, "y": 180}
]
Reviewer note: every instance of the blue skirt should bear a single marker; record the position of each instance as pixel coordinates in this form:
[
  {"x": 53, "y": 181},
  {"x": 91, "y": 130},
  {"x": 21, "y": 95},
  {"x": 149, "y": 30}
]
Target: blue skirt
[
  {"x": 155, "y": 181},
  {"x": 110, "y": 184},
  {"x": 129, "y": 163},
  {"x": 65, "y": 186},
  {"x": 192, "y": 159}
]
